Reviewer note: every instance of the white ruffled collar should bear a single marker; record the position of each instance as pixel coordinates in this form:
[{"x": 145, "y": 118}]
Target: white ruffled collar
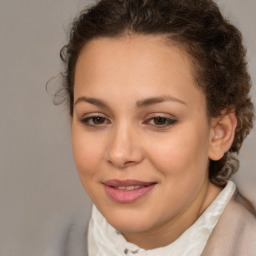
[{"x": 104, "y": 240}]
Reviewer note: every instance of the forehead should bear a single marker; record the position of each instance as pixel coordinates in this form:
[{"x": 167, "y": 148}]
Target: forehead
[
  {"x": 140, "y": 51},
  {"x": 148, "y": 65}
]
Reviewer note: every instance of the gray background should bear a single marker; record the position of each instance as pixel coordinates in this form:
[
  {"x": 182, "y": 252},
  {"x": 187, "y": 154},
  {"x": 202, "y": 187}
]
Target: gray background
[{"x": 39, "y": 188}]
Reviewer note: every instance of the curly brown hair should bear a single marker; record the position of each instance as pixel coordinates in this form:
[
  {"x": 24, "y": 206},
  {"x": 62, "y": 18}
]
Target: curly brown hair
[{"x": 214, "y": 44}]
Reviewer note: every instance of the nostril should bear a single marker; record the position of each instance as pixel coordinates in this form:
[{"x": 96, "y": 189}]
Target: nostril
[{"x": 128, "y": 163}]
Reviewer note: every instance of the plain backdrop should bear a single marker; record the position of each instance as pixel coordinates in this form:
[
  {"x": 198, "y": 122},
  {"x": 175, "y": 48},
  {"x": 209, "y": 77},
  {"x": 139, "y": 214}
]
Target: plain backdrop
[{"x": 39, "y": 186}]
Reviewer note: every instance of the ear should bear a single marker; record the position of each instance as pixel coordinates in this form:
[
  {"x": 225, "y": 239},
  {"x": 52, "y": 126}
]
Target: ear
[{"x": 222, "y": 134}]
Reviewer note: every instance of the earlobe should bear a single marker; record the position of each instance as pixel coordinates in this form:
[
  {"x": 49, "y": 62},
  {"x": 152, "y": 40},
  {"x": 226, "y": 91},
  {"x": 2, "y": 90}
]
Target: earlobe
[{"x": 222, "y": 135}]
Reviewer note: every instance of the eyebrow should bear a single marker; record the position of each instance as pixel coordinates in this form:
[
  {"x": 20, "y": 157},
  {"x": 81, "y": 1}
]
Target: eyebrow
[
  {"x": 139, "y": 104},
  {"x": 155, "y": 100},
  {"x": 93, "y": 101}
]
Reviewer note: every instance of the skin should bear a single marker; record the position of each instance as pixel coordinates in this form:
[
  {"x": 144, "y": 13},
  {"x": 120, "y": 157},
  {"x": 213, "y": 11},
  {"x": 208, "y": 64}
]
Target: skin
[{"x": 128, "y": 143}]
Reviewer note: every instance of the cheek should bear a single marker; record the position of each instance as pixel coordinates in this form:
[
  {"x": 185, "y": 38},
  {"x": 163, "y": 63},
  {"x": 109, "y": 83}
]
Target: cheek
[
  {"x": 87, "y": 153},
  {"x": 182, "y": 161},
  {"x": 182, "y": 153}
]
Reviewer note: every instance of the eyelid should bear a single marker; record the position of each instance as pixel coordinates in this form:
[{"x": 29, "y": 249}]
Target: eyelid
[
  {"x": 93, "y": 114},
  {"x": 161, "y": 114}
]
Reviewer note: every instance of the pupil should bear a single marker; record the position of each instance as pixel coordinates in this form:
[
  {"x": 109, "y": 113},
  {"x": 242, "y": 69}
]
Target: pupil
[{"x": 160, "y": 120}]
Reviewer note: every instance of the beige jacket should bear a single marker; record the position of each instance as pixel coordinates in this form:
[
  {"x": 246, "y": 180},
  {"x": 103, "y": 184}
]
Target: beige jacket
[{"x": 235, "y": 232}]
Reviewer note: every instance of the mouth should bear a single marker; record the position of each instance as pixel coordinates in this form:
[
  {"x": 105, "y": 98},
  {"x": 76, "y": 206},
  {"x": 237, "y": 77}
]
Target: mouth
[{"x": 127, "y": 191}]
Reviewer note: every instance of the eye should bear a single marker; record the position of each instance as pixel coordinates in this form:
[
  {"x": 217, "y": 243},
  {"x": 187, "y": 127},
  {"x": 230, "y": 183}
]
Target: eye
[
  {"x": 161, "y": 121},
  {"x": 95, "y": 121}
]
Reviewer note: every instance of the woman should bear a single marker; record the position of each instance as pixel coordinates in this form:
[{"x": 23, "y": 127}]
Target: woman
[{"x": 158, "y": 95}]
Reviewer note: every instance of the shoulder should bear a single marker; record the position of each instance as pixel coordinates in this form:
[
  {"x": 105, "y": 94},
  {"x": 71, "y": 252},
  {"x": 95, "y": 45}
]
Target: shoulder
[
  {"x": 235, "y": 232},
  {"x": 241, "y": 215}
]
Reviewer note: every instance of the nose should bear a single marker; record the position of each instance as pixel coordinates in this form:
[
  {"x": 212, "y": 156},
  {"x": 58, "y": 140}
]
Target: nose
[{"x": 124, "y": 147}]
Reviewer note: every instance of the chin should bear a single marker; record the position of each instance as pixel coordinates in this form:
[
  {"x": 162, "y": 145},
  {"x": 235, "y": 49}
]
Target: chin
[
  {"x": 129, "y": 221},
  {"x": 130, "y": 226}
]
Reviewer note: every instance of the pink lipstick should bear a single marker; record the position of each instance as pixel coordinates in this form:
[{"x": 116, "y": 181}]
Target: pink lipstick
[{"x": 127, "y": 191}]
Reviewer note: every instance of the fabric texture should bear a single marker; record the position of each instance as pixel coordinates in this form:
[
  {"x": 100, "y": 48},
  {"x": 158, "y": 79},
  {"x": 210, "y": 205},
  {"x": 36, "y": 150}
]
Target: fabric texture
[
  {"x": 235, "y": 232},
  {"x": 104, "y": 240}
]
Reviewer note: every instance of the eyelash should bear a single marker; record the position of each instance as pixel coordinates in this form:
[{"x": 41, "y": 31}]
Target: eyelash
[
  {"x": 87, "y": 120},
  {"x": 167, "y": 121}
]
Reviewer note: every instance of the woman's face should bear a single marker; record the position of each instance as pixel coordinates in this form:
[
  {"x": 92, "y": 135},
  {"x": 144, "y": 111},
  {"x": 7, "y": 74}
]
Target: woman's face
[{"x": 140, "y": 133}]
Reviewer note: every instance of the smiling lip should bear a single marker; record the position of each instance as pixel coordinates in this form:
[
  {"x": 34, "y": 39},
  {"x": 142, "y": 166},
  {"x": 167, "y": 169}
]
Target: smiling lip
[{"x": 127, "y": 191}]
